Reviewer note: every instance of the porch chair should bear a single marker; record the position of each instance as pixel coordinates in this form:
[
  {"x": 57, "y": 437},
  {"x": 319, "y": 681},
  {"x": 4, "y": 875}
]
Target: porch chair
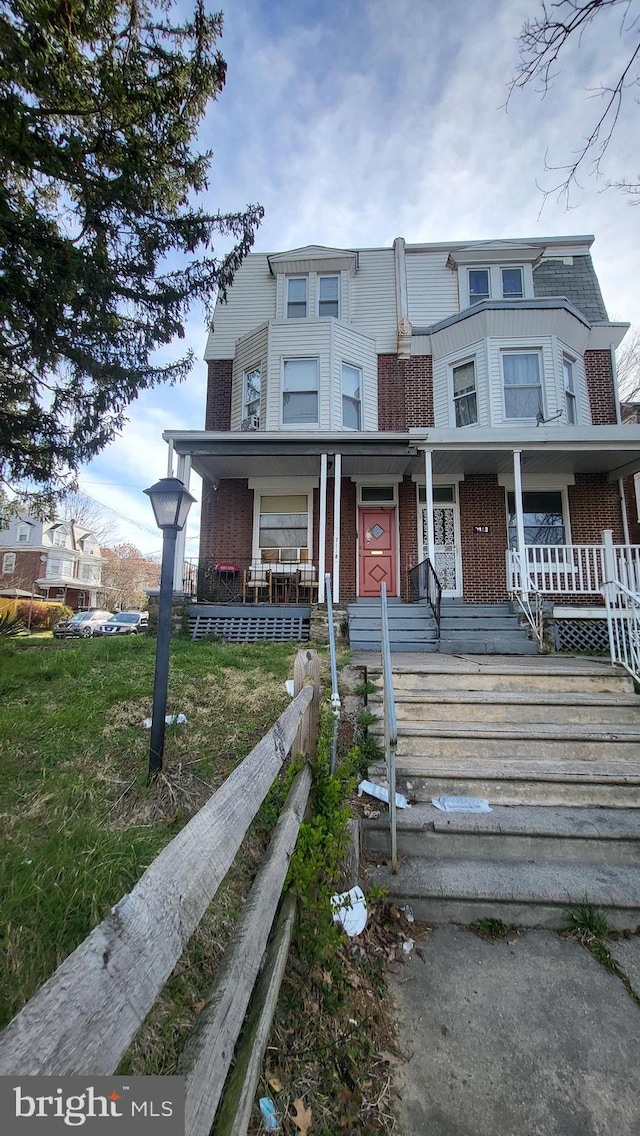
[
  {"x": 256, "y": 579},
  {"x": 306, "y": 584}
]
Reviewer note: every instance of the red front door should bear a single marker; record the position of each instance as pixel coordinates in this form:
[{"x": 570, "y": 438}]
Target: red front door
[{"x": 377, "y": 544}]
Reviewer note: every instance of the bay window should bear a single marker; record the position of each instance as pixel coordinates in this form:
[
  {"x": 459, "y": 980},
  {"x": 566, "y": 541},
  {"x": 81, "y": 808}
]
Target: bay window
[
  {"x": 351, "y": 397},
  {"x": 464, "y": 394},
  {"x": 569, "y": 391},
  {"x": 251, "y": 401}
]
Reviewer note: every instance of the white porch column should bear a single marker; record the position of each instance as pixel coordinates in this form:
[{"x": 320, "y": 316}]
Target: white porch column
[
  {"x": 170, "y": 459},
  {"x": 623, "y": 510},
  {"x": 337, "y": 487},
  {"x": 428, "y": 480},
  {"x": 322, "y": 533},
  {"x": 517, "y": 486},
  {"x": 184, "y": 475}
]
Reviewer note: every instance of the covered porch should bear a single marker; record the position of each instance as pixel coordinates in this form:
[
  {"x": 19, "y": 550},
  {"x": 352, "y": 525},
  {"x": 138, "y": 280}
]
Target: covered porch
[{"x": 496, "y": 518}]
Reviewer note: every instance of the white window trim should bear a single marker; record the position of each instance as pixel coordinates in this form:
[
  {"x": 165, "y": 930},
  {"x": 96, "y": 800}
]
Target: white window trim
[
  {"x": 329, "y": 276},
  {"x": 541, "y": 376},
  {"x": 541, "y": 486},
  {"x": 374, "y": 482},
  {"x": 245, "y": 375},
  {"x": 452, "y": 396},
  {"x": 23, "y": 533},
  {"x": 289, "y": 487},
  {"x": 355, "y": 367},
  {"x": 495, "y": 281},
  {"x": 286, "y": 297},
  {"x": 8, "y": 563},
  {"x": 572, "y": 361},
  {"x": 513, "y": 268},
  {"x": 298, "y": 425}
]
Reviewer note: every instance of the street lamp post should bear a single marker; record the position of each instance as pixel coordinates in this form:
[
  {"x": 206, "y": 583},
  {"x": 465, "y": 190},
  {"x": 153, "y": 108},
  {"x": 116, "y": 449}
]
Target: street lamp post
[{"x": 171, "y": 502}]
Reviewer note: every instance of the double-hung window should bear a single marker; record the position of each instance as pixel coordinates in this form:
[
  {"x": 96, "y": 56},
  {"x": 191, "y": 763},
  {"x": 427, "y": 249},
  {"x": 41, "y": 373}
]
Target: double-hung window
[
  {"x": 512, "y": 287},
  {"x": 284, "y": 525},
  {"x": 569, "y": 391},
  {"x": 59, "y": 538},
  {"x": 542, "y": 515},
  {"x": 251, "y": 402},
  {"x": 351, "y": 397},
  {"x": 328, "y": 296},
  {"x": 479, "y": 285},
  {"x": 522, "y": 386},
  {"x": 23, "y": 533},
  {"x": 300, "y": 392},
  {"x": 8, "y": 563},
  {"x": 296, "y": 297},
  {"x": 464, "y": 394}
]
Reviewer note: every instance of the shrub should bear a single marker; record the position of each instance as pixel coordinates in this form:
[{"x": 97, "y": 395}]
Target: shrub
[{"x": 43, "y": 615}]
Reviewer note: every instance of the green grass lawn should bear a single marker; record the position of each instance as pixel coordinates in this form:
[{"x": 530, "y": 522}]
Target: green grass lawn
[{"x": 80, "y": 825}]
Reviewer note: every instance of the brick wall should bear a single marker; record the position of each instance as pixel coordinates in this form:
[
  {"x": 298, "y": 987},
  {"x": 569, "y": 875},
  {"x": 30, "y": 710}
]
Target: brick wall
[
  {"x": 482, "y": 502},
  {"x": 226, "y": 527},
  {"x": 405, "y": 392},
  {"x": 218, "y": 409},
  {"x": 418, "y": 384},
  {"x": 594, "y": 505},
  {"x": 599, "y": 374},
  {"x": 408, "y": 525},
  {"x": 28, "y": 568}
]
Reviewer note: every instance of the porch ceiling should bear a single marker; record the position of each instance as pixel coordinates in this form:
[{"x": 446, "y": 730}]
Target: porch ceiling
[{"x": 611, "y": 450}]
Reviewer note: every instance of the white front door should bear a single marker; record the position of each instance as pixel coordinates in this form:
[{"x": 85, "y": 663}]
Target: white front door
[{"x": 446, "y": 539}]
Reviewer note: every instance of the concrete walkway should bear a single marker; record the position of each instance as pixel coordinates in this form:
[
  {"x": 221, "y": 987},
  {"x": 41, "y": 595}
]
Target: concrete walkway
[{"x": 528, "y": 1036}]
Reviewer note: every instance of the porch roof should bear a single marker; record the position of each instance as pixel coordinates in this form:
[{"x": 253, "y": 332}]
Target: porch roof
[{"x": 613, "y": 450}]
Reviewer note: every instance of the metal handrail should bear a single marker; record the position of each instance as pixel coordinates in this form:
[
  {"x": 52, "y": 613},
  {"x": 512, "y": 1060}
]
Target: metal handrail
[
  {"x": 623, "y": 622},
  {"x": 425, "y": 585},
  {"x": 335, "y": 695},
  {"x": 390, "y": 725}
]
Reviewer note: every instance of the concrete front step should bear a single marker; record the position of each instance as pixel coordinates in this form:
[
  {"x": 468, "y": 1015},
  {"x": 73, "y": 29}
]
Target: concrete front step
[
  {"x": 409, "y": 646},
  {"x": 465, "y": 624},
  {"x": 523, "y": 894},
  {"x": 503, "y": 643},
  {"x": 596, "y": 784},
  {"x": 459, "y": 608},
  {"x": 502, "y": 677},
  {"x": 512, "y": 706},
  {"x": 401, "y": 623},
  {"x": 518, "y": 834}
]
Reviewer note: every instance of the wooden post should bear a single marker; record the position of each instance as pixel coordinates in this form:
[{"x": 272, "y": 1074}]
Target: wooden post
[{"x": 306, "y": 672}]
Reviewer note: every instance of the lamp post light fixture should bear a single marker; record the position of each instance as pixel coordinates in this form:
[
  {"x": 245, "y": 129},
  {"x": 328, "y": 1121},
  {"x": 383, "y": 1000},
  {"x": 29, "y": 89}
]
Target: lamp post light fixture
[{"x": 171, "y": 502}]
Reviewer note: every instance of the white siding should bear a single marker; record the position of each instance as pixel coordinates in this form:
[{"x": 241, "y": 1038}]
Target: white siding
[
  {"x": 372, "y": 306},
  {"x": 583, "y": 406},
  {"x": 298, "y": 339},
  {"x": 252, "y": 300},
  {"x": 511, "y": 323},
  {"x": 351, "y": 347},
  {"x": 432, "y": 288},
  {"x": 252, "y": 352}
]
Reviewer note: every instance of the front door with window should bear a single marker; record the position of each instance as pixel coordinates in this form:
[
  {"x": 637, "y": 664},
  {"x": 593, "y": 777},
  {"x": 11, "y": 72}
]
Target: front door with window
[{"x": 377, "y": 544}]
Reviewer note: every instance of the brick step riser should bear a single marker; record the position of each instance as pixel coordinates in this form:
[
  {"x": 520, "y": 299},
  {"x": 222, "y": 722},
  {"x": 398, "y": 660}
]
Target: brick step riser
[{"x": 506, "y": 847}]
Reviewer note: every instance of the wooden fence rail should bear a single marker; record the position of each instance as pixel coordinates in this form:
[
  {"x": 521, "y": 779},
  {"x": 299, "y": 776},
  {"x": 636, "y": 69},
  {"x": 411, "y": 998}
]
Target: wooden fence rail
[{"x": 84, "y": 1018}]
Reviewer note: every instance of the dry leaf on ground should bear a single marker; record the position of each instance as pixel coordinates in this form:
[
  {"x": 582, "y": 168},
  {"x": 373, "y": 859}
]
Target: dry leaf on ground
[{"x": 302, "y": 1119}]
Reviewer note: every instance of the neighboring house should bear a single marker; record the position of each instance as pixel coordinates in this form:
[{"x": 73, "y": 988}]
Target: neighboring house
[
  {"x": 368, "y": 409},
  {"x": 56, "y": 560}
]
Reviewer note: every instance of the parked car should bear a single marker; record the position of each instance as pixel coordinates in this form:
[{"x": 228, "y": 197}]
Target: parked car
[
  {"x": 124, "y": 623},
  {"x": 82, "y": 625}
]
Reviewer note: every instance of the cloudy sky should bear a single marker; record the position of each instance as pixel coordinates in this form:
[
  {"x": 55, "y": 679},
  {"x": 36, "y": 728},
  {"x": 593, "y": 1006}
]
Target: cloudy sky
[{"x": 356, "y": 121}]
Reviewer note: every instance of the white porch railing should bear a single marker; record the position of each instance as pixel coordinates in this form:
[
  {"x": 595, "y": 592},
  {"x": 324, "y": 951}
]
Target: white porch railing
[
  {"x": 623, "y": 619},
  {"x": 570, "y": 569}
]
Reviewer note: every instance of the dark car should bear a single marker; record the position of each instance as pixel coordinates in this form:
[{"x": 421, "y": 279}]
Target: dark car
[
  {"x": 124, "y": 623},
  {"x": 82, "y": 625}
]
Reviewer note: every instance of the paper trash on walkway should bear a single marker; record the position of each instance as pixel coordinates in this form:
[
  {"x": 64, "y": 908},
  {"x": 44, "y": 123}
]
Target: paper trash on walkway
[
  {"x": 269, "y": 1115},
  {"x": 462, "y": 804},
  {"x": 350, "y": 909},
  {"x": 382, "y": 793},
  {"x": 170, "y": 720}
]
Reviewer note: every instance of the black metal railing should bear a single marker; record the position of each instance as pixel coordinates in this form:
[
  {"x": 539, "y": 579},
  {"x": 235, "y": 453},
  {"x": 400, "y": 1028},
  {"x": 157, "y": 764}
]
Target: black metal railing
[
  {"x": 425, "y": 585},
  {"x": 250, "y": 581}
]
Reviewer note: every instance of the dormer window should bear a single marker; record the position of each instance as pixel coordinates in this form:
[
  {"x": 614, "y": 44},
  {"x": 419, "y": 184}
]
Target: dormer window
[
  {"x": 59, "y": 538},
  {"x": 297, "y": 297},
  {"x": 23, "y": 533},
  {"x": 512, "y": 285},
  {"x": 329, "y": 296},
  {"x": 479, "y": 286}
]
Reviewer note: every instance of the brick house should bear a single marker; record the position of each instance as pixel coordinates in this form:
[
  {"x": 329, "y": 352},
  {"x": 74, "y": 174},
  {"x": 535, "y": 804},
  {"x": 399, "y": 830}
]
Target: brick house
[
  {"x": 55, "y": 560},
  {"x": 369, "y": 409}
]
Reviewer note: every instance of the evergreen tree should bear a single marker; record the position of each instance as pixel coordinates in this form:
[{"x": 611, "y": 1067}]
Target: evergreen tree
[{"x": 103, "y": 244}]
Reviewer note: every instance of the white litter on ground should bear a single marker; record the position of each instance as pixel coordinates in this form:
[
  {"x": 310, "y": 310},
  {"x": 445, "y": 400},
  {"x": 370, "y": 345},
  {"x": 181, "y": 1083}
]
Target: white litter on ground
[
  {"x": 462, "y": 804},
  {"x": 382, "y": 794},
  {"x": 350, "y": 910},
  {"x": 170, "y": 719}
]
